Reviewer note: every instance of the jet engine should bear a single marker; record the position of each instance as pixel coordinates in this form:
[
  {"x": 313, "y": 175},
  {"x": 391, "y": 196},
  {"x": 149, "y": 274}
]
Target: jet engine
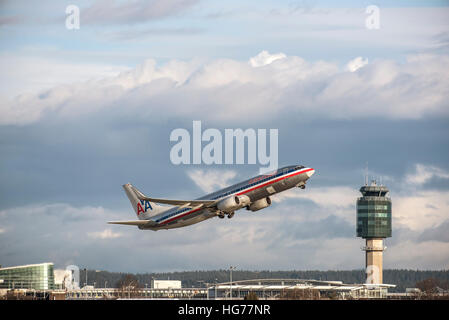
[
  {"x": 232, "y": 203},
  {"x": 260, "y": 204}
]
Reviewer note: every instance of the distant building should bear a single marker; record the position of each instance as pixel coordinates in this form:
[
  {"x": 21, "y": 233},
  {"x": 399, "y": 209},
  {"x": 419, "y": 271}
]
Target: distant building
[
  {"x": 32, "y": 276},
  {"x": 166, "y": 284}
]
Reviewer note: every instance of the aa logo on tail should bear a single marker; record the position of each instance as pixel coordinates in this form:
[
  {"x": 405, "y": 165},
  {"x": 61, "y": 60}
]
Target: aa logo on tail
[{"x": 143, "y": 206}]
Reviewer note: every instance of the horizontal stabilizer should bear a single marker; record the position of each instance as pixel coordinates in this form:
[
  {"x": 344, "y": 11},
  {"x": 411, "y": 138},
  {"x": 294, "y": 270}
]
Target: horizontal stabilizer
[{"x": 134, "y": 222}]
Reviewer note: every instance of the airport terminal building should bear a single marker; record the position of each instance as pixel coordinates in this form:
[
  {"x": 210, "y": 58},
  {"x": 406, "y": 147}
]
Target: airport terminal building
[
  {"x": 33, "y": 276},
  {"x": 292, "y": 289}
]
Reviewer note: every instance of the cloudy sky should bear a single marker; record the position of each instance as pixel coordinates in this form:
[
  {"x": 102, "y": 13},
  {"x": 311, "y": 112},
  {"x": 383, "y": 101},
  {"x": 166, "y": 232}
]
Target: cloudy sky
[{"x": 84, "y": 111}]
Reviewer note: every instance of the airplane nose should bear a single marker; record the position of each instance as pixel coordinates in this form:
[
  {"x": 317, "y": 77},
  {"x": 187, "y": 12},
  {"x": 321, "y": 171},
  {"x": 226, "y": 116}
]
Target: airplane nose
[{"x": 310, "y": 173}]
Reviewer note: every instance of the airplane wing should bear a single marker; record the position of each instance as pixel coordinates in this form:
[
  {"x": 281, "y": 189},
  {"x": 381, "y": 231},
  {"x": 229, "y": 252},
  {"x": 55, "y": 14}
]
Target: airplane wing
[
  {"x": 183, "y": 203},
  {"x": 134, "y": 222}
]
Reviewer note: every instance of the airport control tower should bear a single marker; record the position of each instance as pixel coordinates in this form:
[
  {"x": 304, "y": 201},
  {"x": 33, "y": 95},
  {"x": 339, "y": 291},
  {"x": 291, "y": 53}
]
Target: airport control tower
[{"x": 374, "y": 225}]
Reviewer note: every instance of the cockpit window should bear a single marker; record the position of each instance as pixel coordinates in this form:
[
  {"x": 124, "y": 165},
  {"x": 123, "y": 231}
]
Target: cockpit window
[{"x": 299, "y": 167}]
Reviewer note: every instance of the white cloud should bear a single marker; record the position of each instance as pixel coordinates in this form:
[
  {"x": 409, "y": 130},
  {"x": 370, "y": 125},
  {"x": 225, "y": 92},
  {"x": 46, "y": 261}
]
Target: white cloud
[
  {"x": 412, "y": 255},
  {"x": 264, "y": 58},
  {"x": 423, "y": 173},
  {"x": 224, "y": 88},
  {"x": 420, "y": 209},
  {"x": 61, "y": 210},
  {"x": 338, "y": 200},
  {"x": 174, "y": 71},
  {"x": 356, "y": 64},
  {"x": 23, "y": 74},
  {"x": 413, "y": 208},
  {"x": 211, "y": 180},
  {"x": 417, "y": 208},
  {"x": 105, "y": 234},
  {"x": 57, "y": 232}
]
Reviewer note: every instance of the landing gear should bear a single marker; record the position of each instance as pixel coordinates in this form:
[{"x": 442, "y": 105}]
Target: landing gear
[
  {"x": 301, "y": 185},
  {"x": 222, "y": 214}
]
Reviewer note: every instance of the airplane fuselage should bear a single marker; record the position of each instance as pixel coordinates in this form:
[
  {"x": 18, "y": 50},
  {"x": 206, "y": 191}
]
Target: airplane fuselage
[{"x": 256, "y": 189}]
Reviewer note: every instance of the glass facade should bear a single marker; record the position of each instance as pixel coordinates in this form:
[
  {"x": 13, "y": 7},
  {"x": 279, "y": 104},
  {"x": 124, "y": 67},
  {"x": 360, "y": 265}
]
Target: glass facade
[
  {"x": 374, "y": 213},
  {"x": 36, "y": 276}
]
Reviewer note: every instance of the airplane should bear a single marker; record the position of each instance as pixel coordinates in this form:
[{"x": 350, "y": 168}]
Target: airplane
[{"x": 252, "y": 194}]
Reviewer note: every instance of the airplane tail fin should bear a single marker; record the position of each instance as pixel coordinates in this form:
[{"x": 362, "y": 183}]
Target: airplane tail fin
[{"x": 143, "y": 208}]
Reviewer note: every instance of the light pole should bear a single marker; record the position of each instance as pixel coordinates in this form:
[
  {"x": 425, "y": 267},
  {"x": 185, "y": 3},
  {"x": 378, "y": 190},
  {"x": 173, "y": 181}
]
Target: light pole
[
  {"x": 152, "y": 287},
  {"x": 129, "y": 289},
  {"x": 216, "y": 282},
  {"x": 204, "y": 283},
  {"x": 230, "y": 269},
  {"x": 96, "y": 277}
]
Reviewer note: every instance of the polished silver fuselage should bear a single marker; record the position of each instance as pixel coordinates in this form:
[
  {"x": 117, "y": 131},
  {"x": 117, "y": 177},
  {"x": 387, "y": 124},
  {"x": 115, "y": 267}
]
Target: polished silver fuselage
[{"x": 256, "y": 188}]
